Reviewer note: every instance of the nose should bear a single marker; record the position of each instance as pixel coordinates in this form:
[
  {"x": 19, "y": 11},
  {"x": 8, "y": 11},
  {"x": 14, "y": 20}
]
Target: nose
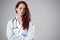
[{"x": 22, "y": 9}]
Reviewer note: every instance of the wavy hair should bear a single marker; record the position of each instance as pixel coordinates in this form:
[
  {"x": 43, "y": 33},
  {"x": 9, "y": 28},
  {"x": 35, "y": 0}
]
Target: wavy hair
[{"x": 26, "y": 17}]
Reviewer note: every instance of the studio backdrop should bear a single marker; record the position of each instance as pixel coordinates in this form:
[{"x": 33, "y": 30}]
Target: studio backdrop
[{"x": 45, "y": 14}]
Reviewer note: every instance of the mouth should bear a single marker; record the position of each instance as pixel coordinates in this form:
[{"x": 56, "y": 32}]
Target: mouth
[{"x": 22, "y": 13}]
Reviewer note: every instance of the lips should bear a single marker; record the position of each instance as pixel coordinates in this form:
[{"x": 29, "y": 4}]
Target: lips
[{"x": 22, "y": 13}]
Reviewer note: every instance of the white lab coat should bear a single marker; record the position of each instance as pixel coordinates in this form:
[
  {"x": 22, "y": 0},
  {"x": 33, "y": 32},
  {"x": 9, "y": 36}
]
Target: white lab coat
[{"x": 14, "y": 30}]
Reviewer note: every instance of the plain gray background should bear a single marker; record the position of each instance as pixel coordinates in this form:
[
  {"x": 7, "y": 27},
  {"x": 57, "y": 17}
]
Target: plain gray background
[{"x": 45, "y": 13}]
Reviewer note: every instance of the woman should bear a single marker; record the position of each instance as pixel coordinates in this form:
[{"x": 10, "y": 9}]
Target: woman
[{"x": 21, "y": 27}]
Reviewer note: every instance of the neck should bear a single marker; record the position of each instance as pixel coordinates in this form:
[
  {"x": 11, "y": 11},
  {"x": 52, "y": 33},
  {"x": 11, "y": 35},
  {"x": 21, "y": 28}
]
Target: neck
[{"x": 19, "y": 18}]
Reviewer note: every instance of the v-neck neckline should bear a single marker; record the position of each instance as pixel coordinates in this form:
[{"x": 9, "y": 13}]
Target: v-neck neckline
[{"x": 18, "y": 24}]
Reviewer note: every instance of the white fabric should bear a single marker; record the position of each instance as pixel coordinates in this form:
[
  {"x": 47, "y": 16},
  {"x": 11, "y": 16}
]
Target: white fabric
[{"x": 14, "y": 30}]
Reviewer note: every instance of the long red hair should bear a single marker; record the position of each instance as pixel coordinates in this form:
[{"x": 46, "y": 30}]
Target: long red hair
[{"x": 26, "y": 17}]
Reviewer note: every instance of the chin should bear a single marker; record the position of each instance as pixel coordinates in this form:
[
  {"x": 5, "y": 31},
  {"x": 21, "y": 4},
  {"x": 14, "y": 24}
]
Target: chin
[{"x": 22, "y": 14}]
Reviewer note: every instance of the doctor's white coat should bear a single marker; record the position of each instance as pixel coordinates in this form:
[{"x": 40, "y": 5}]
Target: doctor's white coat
[{"x": 15, "y": 30}]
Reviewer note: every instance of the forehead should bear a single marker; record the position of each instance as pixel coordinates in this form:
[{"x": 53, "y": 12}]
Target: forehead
[{"x": 22, "y": 5}]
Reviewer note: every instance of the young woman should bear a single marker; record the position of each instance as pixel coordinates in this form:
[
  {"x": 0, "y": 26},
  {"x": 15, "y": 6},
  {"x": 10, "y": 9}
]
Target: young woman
[{"x": 21, "y": 27}]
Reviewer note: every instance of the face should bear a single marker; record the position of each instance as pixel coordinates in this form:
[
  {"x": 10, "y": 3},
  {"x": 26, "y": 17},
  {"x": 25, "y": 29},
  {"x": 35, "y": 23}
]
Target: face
[{"x": 21, "y": 9}]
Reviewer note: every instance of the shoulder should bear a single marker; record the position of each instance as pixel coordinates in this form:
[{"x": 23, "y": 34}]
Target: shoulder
[
  {"x": 11, "y": 20},
  {"x": 10, "y": 23},
  {"x": 31, "y": 23}
]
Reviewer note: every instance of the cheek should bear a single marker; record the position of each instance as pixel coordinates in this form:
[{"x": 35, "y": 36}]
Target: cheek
[
  {"x": 24, "y": 11},
  {"x": 19, "y": 11}
]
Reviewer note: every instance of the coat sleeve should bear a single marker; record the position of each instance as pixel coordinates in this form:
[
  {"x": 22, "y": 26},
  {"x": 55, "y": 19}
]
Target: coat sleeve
[
  {"x": 9, "y": 33},
  {"x": 31, "y": 31}
]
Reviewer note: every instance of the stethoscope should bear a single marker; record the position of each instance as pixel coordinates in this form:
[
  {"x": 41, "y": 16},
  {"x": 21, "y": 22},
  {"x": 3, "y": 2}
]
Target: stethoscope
[
  {"x": 14, "y": 23},
  {"x": 15, "y": 27}
]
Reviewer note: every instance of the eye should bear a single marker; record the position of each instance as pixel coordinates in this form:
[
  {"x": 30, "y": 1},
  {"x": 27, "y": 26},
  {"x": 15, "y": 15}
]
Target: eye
[
  {"x": 21, "y": 8},
  {"x": 24, "y": 8}
]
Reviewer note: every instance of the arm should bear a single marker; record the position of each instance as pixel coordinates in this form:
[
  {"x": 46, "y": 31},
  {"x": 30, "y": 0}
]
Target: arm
[{"x": 31, "y": 32}]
